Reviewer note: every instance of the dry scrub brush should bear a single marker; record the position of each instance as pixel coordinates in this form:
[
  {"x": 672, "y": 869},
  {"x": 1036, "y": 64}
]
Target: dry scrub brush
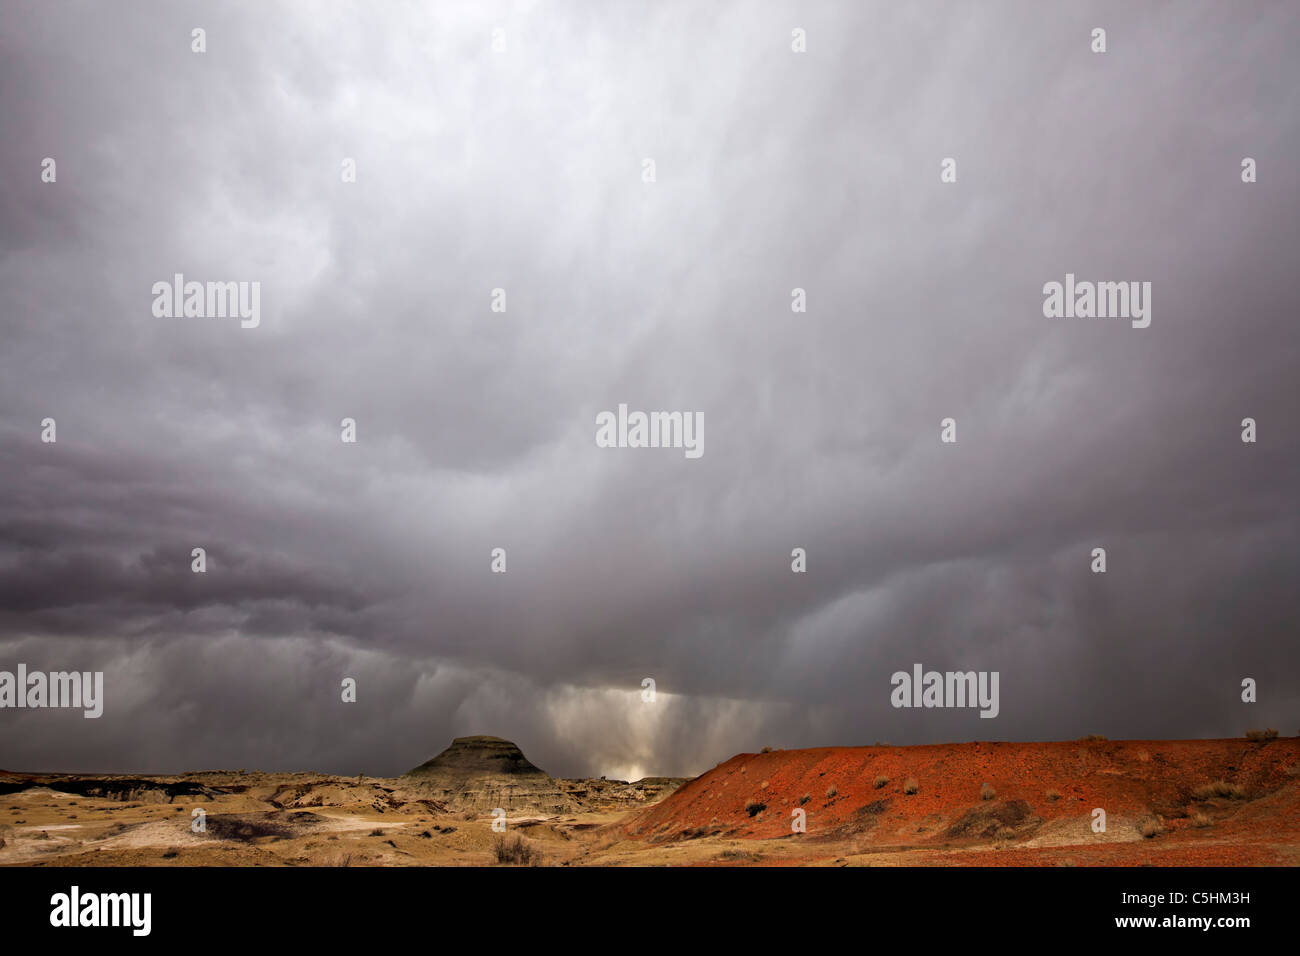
[{"x": 515, "y": 849}]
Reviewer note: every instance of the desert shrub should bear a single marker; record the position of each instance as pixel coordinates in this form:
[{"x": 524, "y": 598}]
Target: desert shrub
[
  {"x": 738, "y": 855},
  {"x": 1219, "y": 788},
  {"x": 832, "y": 793},
  {"x": 342, "y": 860},
  {"x": 1053, "y": 795},
  {"x": 1201, "y": 820},
  {"x": 513, "y": 848},
  {"x": 171, "y": 854},
  {"x": 911, "y": 786},
  {"x": 376, "y": 832},
  {"x": 754, "y": 808},
  {"x": 1092, "y": 738},
  {"x": 881, "y": 781},
  {"x": 766, "y": 750},
  {"x": 1269, "y": 734},
  {"x": 987, "y": 792},
  {"x": 1149, "y": 827},
  {"x": 804, "y": 799}
]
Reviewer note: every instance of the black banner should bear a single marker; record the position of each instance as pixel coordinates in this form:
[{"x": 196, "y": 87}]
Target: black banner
[{"x": 622, "y": 905}]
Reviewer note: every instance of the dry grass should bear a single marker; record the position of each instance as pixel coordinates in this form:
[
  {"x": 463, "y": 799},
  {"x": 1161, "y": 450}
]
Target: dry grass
[
  {"x": 738, "y": 855},
  {"x": 880, "y": 781},
  {"x": 804, "y": 799},
  {"x": 832, "y": 793},
  {"x": 1269, "y": 734},
  {"x": 911, "y": 786},
  {"x": 1053, "y": 795},
  {"x": 1201, "y": 820},
  {"x": 1149, "y": 826},
  {"x": 1219, "y": 788},
  {"x": 1092, "y": 738},
  {"x": 513, "y": 848},
  {"x": 987, "y": 792}
]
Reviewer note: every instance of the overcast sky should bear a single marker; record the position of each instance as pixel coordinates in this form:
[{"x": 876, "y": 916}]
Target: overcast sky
[{"x": 522, "y": 169}]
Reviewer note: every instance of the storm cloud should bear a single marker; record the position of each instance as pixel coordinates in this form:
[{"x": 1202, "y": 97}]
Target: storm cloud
[{"x": 482, "y": 168}]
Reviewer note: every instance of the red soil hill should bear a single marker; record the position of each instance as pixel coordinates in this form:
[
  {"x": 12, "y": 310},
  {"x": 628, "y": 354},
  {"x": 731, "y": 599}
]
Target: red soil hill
[{"x": 1042, "y": 795}]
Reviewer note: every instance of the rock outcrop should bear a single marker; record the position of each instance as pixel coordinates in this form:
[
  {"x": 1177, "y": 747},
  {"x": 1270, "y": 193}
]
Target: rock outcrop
[{"x": 483, "y": 773}]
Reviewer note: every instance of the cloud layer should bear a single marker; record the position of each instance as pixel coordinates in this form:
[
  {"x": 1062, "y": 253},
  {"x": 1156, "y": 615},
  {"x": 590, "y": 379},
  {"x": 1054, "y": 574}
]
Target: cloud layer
[{"x": 522, "y": 169}]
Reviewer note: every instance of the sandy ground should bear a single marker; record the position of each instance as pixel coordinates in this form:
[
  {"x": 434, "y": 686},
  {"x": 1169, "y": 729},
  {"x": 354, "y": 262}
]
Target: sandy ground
[{"x": 314, "y": 820}]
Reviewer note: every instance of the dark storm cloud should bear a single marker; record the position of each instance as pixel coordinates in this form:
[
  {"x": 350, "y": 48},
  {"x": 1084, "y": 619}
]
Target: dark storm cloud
[{"x": 521, "y": 170}]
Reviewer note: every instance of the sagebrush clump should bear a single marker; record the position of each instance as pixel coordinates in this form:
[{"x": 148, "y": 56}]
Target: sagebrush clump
[
  {"x": 514, "y": 849},
  {"x": 1219, "y": 788}
]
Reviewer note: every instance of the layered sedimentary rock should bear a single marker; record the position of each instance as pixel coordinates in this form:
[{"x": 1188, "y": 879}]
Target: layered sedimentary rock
[{"x": 483, "y": 773}]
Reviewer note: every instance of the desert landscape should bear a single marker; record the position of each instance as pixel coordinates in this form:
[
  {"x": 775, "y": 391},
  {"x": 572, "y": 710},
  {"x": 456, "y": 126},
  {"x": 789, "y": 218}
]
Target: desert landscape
[{"x": 1166, "y": 803}]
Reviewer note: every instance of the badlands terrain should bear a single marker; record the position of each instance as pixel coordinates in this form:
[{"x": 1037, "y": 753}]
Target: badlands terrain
[{"x": 1166, "y": 803}]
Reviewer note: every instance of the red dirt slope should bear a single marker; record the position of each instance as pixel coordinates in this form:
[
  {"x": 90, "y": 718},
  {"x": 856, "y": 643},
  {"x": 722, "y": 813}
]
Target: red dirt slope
[{"x": 1043, "y": 797}]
